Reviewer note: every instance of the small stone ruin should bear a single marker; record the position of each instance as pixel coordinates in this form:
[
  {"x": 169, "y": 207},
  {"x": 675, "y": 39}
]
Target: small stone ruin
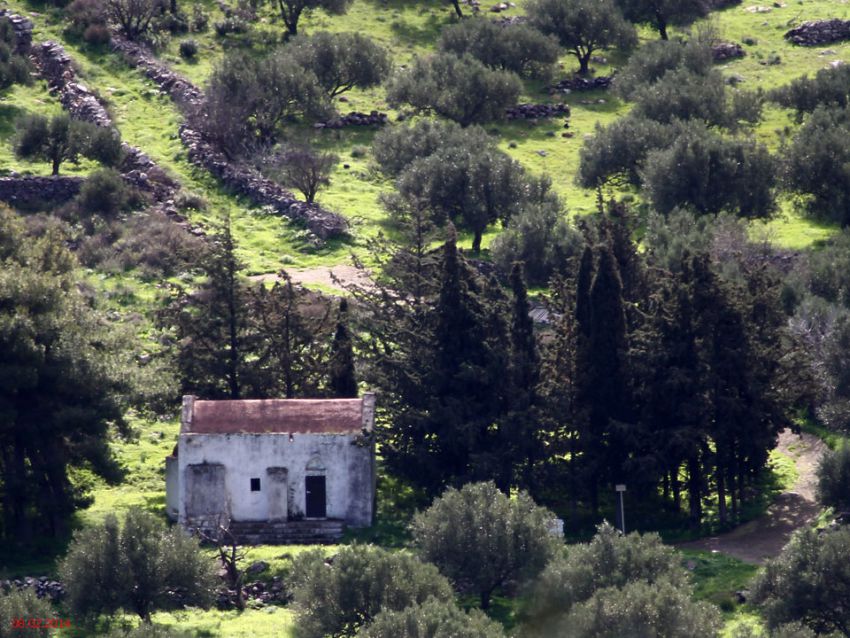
[
  {"x": 355, "y": 118},
  {"x": 816, "y": 33},
  {"x": 22, "y": 29}
]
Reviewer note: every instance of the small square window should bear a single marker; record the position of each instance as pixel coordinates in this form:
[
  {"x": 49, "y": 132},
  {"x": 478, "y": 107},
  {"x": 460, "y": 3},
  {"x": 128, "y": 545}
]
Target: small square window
[{"x": 255, "y": 485}]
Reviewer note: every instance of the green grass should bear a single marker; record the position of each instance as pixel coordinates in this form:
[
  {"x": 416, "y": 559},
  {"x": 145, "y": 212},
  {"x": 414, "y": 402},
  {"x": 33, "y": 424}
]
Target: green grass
[{"x": 717, "y": 577}]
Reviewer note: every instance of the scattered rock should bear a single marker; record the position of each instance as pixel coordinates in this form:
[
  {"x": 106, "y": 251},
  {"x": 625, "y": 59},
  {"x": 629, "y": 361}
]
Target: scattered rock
[
  {"x": 542, "y": 153},
  {"x": 722, "y": 51},
  {"x": 355, "y": 118},
  {"x": 43, "y": 587},
  {"x": 256, "y": 567}
]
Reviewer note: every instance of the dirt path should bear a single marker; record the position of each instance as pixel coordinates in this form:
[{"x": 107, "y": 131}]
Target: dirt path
[
  {"x": 765, "y": 537},
  {"x": 324, "y": 276}
]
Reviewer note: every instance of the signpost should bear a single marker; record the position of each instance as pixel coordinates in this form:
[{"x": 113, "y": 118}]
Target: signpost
[{"x": 621, "y": 513}]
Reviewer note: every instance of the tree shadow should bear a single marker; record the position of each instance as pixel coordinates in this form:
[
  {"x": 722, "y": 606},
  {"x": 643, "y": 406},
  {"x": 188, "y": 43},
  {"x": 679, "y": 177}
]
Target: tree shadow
[{"x": 9, "y": 114}]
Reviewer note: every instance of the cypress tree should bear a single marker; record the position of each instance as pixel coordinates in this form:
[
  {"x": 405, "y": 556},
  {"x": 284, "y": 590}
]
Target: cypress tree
[
  {"x": 343, "y": 382},
  {"x": 606, "y": 389}
]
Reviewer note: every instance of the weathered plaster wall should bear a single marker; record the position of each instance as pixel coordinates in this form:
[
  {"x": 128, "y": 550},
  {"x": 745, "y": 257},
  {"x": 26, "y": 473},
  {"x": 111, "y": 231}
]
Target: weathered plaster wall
[
  {"x": 347, "y": 459},
  {"x": 172, "y": 503}
]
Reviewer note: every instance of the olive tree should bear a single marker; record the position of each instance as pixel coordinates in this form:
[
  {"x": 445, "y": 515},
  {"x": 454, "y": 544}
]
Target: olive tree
[
  {"x": 653, "y": 60},
  {"x": 817, "y": 165},
  {"x": 459, "y": 88},
  {"x": 638, "y": 609},
  {"x": 291, "y": 10},
  {"x": 397, "y": 147},
  {"x": 660, "y": 14},
  {"x": 342, "y": 61},
  {"x": 583, "y": 26},
  {"x": 834, "y": 478},
  {"x": 475, "y": 189},
  {"x": 516, "y": 47},
  {"x": 249, "y": 96},
  {"x": 335, "y": 597},
  {"x": 302, "y": 167},
  {"x": 136, "y": 567},
  {"x": 609, "y": 560},
  {"x": 540, "y": 236},
  {"x": 482, "y": 539},
  {"x": 432, "y": 619},
  {"x": 708, "y": 173},
  {"x": 62, "y": 139},
  {"x": 809, "y": 582}
]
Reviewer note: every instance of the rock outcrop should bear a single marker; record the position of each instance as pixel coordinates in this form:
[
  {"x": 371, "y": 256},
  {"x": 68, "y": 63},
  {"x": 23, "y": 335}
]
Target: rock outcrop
[{"x": 816, "y": 33}]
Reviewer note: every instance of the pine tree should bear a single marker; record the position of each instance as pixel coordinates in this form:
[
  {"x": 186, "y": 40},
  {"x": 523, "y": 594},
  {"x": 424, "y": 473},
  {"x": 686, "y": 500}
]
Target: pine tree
[
  {"x": 343, "y": 382},
  {"x": 212, "y": 325}
]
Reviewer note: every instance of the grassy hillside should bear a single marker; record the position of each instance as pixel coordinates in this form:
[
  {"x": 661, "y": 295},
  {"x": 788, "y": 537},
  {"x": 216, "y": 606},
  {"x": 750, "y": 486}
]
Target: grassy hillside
[{"x": 150, "y": 121}]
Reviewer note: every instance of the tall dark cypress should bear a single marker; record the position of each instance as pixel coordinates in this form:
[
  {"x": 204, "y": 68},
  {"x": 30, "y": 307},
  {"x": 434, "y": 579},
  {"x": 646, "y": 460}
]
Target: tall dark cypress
[
  {"x": 521, "y": 422},
  {"x": 343, "y": 381},
  {"x": 607, "y": 389}
]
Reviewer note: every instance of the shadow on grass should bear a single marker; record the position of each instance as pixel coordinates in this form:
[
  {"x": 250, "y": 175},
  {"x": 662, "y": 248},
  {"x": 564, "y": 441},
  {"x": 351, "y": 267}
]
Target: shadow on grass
[{"x": 9, "y": 114}]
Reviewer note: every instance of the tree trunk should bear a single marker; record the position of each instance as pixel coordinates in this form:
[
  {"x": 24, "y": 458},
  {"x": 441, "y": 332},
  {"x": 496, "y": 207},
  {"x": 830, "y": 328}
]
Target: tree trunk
[
  {"x": 456, "y": 5},
  {"x": 677, "y": 490},
  {"x": 56, "y": 163},
  {"x": 476, "y": 242},
  {"x": 695, "y": 491},
  {"x": 662, "y": 26},
  {"x": 485, "y": 599},
  {"x": 721, "y": 497},
  {"x": 584, "y": 63}
]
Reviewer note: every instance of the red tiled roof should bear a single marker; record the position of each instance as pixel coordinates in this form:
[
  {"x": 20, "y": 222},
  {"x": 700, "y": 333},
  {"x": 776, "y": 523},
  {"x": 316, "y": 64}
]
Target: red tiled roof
[{"x": 277, "y": 415}]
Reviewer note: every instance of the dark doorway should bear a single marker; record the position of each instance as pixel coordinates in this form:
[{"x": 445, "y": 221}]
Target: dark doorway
[{"x": 316, "y": 506}]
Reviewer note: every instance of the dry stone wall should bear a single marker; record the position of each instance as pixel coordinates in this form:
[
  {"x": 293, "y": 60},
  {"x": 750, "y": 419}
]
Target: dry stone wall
[
  {"x": 22, "y": 28},
  {"x": 240, "y": 178},
  {"x": 29, "y": 192}
]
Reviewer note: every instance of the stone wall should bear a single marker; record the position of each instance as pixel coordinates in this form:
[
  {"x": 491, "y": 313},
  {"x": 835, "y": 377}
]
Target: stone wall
[
  {"x": 238, "y": 177},
  {"x": 28, "y": 192},
  {"x": 812, "y": 34},
  {"x": 22, "y": 28}
]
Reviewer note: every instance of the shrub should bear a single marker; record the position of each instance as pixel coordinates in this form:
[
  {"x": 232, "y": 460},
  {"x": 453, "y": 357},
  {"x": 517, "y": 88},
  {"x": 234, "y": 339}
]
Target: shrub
[
  {"x": 609, "y": 560},
  {"x": 200, "y": 19},
  {"x": 519, "y": 48},
  {"x": 459, "y": 88},
  {"x": 683, "y": 95},
  {"x": 134, "y": 17},
  {"x": 97, "y": 34},
  {"x": 232, "y": 24},
  {"x": 104, "y": 145},
  {"x": 834, "y": 478},
  {"x": 336, "y": 597},
  {"x": 148, "y": 631},
  {"x": 188, "y": 49},
  {"x": 137, "y": 568},
  {"x": 23, "y": 605},
  {"x": 104, "y": 193},
  {"x": 655, "y": 59},
  {"x": 808, "y": 583},
  {"x": 829, "y": 87},
  {"x": 482, "y": 539},
  {"x": 432, "y": 619}
]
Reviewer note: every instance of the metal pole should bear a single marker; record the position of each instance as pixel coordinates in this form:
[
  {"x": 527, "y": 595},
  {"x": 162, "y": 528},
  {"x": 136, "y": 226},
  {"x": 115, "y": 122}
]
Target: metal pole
[{"x": 620, "y": 489}]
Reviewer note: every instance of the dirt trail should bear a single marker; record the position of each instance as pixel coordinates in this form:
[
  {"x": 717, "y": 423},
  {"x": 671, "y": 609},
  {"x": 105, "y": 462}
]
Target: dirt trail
[
  {"x": 764, "y": 537},
  {"x": 324, "y": 276}
]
